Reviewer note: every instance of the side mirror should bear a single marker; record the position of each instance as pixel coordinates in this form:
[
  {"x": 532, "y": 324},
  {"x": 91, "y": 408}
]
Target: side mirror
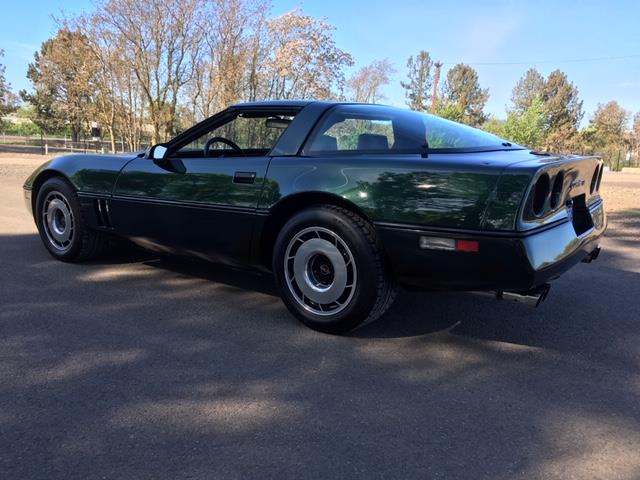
[{"x": 158, "y": 152}]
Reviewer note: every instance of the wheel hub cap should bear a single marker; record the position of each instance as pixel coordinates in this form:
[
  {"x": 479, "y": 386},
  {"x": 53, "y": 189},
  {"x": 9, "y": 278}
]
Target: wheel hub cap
[
  {"x": 58, "y": 221},
  {"x": 320, "y": 271}
]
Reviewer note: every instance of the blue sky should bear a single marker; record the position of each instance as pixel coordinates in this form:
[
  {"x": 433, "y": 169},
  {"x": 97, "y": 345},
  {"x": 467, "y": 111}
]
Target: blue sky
[{"x": 546, "y": 34}]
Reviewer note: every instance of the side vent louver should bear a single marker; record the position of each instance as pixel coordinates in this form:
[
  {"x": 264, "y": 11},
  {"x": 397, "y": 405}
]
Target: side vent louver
[{"x": 101, "y": 206}]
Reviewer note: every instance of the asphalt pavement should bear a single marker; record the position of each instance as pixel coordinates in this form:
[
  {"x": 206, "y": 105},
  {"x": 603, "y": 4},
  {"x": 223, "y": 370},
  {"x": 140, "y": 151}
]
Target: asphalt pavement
[{"x": 136, "y": 367}]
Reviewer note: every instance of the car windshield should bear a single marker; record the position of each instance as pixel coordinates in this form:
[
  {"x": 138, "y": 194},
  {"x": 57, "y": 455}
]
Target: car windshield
[{"x": 372, "y": 128}]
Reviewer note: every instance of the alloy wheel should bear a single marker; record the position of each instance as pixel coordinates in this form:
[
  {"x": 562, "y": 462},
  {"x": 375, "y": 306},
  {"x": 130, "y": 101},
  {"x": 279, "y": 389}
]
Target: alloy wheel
[{"x": 320, "y": 271}]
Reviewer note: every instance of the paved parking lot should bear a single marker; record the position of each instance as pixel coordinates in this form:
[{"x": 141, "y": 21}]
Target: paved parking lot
[{"x": 136, "y": 367}]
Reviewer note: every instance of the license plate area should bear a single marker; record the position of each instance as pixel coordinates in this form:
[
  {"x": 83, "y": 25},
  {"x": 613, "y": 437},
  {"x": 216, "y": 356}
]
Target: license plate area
[{"x": 579, "y": 214}]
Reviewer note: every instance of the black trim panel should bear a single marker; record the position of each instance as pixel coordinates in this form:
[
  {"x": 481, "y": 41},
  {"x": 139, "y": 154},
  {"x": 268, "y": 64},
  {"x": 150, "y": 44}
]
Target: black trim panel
[
  {"x": 180, "y": 203},
  {"x": 468, "y": 232}
]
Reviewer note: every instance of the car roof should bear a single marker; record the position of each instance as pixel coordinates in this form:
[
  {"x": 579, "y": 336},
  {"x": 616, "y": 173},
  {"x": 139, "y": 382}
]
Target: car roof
[{"x": 275, "y": 103}]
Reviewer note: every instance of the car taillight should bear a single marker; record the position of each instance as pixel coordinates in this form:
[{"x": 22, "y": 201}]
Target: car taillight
[
  {"x": 557, "y": 190},
  {"x": 594, "y": 180},
  {"x": 600, "y": 177},
  {"x": 540, "y": 193},
  {"x": 452, "y": 244}
]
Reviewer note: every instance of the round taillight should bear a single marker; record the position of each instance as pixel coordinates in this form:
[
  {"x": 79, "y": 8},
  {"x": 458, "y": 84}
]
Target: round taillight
[
  {"x": 599, "y": 177},
  {"x": 557, "y": 190},
  {"x": 540, "y": 193},
  {"x": 594, "y": 179}
]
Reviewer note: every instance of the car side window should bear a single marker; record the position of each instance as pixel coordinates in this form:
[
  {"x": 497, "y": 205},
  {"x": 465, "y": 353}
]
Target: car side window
[
  {"x": 379, "y": 129},
  {"x": 351, "y": 129},
  {"x": 357, "y": 134},
  {"x": 251, "y": 134}
]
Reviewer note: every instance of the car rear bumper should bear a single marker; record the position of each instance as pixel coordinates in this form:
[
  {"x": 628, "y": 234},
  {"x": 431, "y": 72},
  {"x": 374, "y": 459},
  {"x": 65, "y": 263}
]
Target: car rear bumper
[{"x": 504, "y": 261}]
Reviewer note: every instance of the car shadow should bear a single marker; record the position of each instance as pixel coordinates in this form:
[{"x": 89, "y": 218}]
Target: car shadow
[{"x": 465, "y": 314}]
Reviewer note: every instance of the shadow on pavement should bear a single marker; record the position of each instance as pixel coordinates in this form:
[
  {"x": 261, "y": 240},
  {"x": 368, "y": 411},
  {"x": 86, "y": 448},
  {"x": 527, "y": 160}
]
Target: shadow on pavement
[{"x": 135, "y": 366}]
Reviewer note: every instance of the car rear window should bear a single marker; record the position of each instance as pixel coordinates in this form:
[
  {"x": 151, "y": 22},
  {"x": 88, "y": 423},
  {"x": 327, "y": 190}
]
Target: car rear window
[{"x": 378, "y": 129}]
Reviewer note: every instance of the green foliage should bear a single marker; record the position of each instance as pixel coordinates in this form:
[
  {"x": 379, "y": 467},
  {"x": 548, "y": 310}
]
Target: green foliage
[
  {"x": 607, "y": 133},
  {"x": 495, "y": 126},
  {"x": 8, "y": 101},
  {"x": 562, "y": 110},
  {"x": 462, "y": 98},
  {"x": 419, "y": 84},
  {"x": 609, "y": 124},
  {"x": 62, "y": 77},
  {"x": 450, "y": 111},
  {"x": 528, "y": 88},
  {"x": 561, "y": 100},
  {"x": 26, "y": 129},
  {"x": 529, "y": 128},
  {"x": 27, "y": 112}
]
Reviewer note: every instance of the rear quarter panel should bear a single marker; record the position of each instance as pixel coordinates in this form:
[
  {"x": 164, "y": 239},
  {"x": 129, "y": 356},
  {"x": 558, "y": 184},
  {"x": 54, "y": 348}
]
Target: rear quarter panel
[{"x": 447, "y": 190}]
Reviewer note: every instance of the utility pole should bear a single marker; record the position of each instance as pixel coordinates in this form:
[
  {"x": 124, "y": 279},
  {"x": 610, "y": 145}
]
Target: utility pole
[{"x": 436, "y": 79}]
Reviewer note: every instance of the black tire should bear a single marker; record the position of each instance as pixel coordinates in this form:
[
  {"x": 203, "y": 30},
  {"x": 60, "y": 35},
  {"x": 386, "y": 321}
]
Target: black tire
[
  {"x": 82, "y": 242},
  {"x": 296, "y": 250}
]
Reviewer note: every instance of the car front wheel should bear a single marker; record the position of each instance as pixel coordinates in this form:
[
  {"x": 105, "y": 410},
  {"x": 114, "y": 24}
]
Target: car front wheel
[
  {"x": 61, "y": 225},
  {"x": 330, "y": 269}
]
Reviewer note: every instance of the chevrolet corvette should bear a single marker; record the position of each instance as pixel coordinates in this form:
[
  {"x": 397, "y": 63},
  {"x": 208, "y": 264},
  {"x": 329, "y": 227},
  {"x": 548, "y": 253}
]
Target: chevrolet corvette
[{"x": 342, "y": 202}]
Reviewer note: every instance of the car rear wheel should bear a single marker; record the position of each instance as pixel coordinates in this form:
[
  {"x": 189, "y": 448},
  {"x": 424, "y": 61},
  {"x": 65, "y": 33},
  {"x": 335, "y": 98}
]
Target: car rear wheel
[
  {"x": 331, "y": 271},
  {"x": 61, "y": 225}
]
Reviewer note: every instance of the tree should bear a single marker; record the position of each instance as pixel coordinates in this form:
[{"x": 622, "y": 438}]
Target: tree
[
  {"x": 365, "y": 85},
  {"x": 609, "y": 124},
  {"x": 232, "y": 55},
  {"x": 607, "y": 133},
  {"x": 304, "y": 60},
  {"x": 463, "y": 96},
  {"x": 109, "y": 66},
  {"x": 529, "y": 128},
  {"x": 635, "y": 135},
  {"x": 495, "y": 126},
  {"x": 528, "y": 88},
  {"x": 8, "y": 101},
  {"x": 418, "y": 86},
  {"x": 62, "y": 79},
  {"x": 450, "y": 111},
  {"x": 563, "y": 109},
  {"x": 160, "y": 41}
]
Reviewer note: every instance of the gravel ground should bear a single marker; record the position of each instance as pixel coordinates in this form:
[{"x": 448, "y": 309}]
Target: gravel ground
[{"x": 135, "y": 367}]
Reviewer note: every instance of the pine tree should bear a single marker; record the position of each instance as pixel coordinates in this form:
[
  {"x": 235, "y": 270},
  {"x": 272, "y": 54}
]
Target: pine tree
[
  {"x": 418, "y": 86},
  {"x": 528, "y": 88},
  {"x": 462, "y": 94}
]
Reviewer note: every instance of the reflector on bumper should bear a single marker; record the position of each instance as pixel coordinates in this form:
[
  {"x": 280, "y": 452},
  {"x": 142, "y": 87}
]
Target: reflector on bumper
[
  {"x": 451, "y": 244},
  {"x": 437, "y": 243}
]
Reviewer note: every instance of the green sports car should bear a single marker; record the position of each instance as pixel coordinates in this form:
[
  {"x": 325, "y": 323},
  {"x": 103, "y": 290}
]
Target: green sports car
[{"x": 342, "y": 202}]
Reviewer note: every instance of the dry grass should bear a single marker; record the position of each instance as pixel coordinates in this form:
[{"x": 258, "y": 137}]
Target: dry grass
[{"x": 621, "y": 192}]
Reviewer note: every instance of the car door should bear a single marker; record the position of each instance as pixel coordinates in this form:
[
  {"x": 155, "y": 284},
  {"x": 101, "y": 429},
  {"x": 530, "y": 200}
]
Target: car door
[{"x": 203, "y": 205}]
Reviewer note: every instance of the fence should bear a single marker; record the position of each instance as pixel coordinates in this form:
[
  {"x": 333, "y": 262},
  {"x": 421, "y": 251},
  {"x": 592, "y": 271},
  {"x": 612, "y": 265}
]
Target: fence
[{"x": 48, "y": 145}]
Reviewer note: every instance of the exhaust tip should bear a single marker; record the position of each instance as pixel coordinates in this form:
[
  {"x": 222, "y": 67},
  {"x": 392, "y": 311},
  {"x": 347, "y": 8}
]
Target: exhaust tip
[
  {"x": 592, "y": 256},
  {"x": 533, "y": 297}
]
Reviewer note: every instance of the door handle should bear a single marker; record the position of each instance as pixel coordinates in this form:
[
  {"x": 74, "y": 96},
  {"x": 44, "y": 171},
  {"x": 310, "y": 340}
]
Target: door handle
[{"x": 244, "y": 177}]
